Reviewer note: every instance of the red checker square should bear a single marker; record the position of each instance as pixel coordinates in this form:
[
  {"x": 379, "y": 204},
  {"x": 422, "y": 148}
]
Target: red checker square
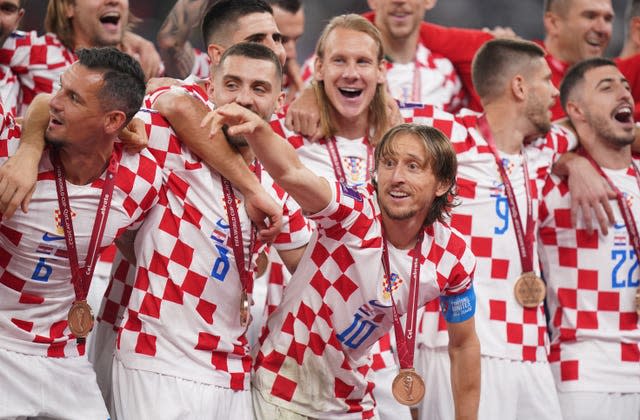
[
  {"x": 169, "y": 223},
  {"x": 5, "y": 257},
  {"x": 207, "y": 342},
  {"x": 146, "y": 169},
  {"x": 345, "y": 286},
  {"x": 194, "y": 283},
  {"x": 273, "y": 361},
  {"x": 481, "y": 247},
  {"x": 142, "y": 279},
  {"x": 133, "y": 322},
  {"x": 237, "y": 381},
  {"x": 320, "y": 283},
  {"x": 219, "y": 360},
  {"x": 587, "y": 320},
  {"x": 443, "y": 125},
  {"x": 466, "y": 188},
  {"x": 554, "y": 353},
  {"x": 569, "y": 370},
  {"x": 629, "y": 352},
  {"x": 319, "y": 255},
  {"x": 56, "y": 349},
  {"x": 306, "y": 315},
  {"x": 191, "y": 215},
  {"x": 628, "y": 321},
  {"x": 585, "y": 239},
  {"x": 130, "y": 205},
  {"x": 557, "y": 317},
  {"x": 296, "y": 351},
  {"x": 377, "y": 362},
  {"x": 150, "y": 306},
  {"x": 548, "y": 236},
  {"x": 498, "y": 310},
  {"x": 31, "y": 299},
  {"x": 316, "y": 343},
  {"x": 206, "y": 310},
  {"x": 568, "y": 257},
  {"x": 563, "y": 218},
  {"x": 110, "y": 312},
  {"x": 361, "y": 226},
  {"x": 499, "y": 268},
  {"x": 172, "y": 292},
  {"x": 568, "y": 298},
  {"x": 177, "y": 185},
  {"x": 283, "y": 388},
  {"x": 568, "y": 334},
  {"x": 146, "y": 344},
  {"x": 125, "y": 179},
  {"x": 12, "y": 281},
  {"x": 530, "y": 315},
  {"x": 529, "y": 353},
  {"x": 462, "y": 222},
  {"x": 12, "y": 235},
  {"x": 23, "y": 325},
  {"x": 325, "y": 313},
  {"x": 159, "y": 264},
  {"x": 608, "y": 301},
  {"x": 587, "y": 279},
  {"x": 182, "y": 254},
  {"x": 343, "y": 258},
  {"x": 514, "y": 333},
  {"x": 57, "y": 329},
  {"x": 342, "y": 389},
  {"x": 542, "y": 334},
  {"x": 287, "y": 325}
]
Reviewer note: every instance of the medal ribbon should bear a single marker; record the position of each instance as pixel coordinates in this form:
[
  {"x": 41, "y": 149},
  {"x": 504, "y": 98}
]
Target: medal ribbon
[
  {"x": 627, "y": 215},
  {"x": 524, "y": 236},
  {"x": 246, "y": 280},
  {"x": 406, "y": 339},
  {"x": 81, "y": 278},
  {"x": 336, "y": 160}
]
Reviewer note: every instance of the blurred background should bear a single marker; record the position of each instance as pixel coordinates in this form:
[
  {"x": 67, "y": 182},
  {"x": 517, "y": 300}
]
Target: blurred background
[{"x": 524, "y": 16}]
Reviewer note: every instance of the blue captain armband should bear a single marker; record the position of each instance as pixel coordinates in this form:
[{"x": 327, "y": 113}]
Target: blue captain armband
[{"x": 458, "y": 308}]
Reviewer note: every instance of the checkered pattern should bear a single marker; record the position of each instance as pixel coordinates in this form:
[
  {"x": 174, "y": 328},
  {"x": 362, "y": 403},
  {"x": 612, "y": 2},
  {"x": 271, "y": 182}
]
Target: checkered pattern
[
  {"x": 37, "y": 61},
  {"x": 185, "y": 301},
  {"x": 201, "y": 64},
  {"x": 34, "y": 268},
  {"x": 506, "y": 329},
  {"x": 592, "y": 280},
  {"x": 439, "y": 81},
  {"x": 314, "y": 356}
]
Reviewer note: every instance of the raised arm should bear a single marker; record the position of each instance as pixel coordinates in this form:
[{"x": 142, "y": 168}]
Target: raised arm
[
  {"x": 145, "y": 52},
  {"x": 313, "y": 193},
  {"x": 19, "y": 174},
  {"x": 173, "y": 37},
  {"x": 464, "y": 352},
  {"x": 185, "y": 114}
]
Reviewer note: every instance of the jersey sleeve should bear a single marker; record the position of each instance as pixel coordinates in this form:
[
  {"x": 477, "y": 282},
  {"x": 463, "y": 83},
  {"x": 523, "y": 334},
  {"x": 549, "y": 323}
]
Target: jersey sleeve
[
  {"x": 9, "y": 135},
  {"x": 296, "y": 230}
]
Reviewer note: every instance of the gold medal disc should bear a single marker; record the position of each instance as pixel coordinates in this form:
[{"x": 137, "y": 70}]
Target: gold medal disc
[
  {"x": 80, "y": 319},
  {"x": 530, "y": 290},
  {"x": 408, "y": 387}
]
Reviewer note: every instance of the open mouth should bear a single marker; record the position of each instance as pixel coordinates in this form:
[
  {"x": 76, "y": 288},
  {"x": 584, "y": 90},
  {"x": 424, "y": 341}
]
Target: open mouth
[
  {"x": 350, "y": 92},
  {"x": 398, "y": 194},
  {"x": 110, "y": 18},
  {"x": 624, "y": 114},
  {"x": 54, "y": 121}
]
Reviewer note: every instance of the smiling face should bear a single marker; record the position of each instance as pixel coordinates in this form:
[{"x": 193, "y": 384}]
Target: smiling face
[
  {"x": 406, "y": 184},
  {"x": 607, "y": 105},
  {"x": 399, "y": 19},
  {"x": 350, "y": 71},
  {"x": 98, "y": 23},
  {"x": 581, "y": 31}
]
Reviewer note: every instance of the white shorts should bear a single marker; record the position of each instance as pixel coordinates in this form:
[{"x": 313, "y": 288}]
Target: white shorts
[
  {"x": 599, "y": 405},
  {"x": 142, "y": 395},
  {"x": 100, "y": 350},
  {"x": 509, "y": 389},
  {"x": 53, "y": 387},
  {"x": 387, "y": 406}
]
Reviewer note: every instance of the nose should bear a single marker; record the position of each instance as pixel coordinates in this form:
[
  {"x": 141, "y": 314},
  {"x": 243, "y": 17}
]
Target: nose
[
  {"x": 350, "y": 71},
  {"x": 603, "y": 26},
  {"x": 244, "y": 97}
]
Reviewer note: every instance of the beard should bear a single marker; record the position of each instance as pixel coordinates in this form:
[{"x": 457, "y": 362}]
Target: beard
[
  {"x": 603, "y": 129},
  {"x": 537, "y": 113},
  {"x": 235, "y": 141}
]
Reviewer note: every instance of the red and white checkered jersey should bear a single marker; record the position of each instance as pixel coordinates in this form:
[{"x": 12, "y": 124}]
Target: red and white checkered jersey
[
  {"x": 35, "y": 277},
  {"x": 37, "y": 61},
  {"x": 591, "y": 284},
  {"x": 314, "y": 353},
  {"x": 353, "y": 153},
  {"x": 183, "y": 316},
  {"x": 437, "y": 80},
  {"x": 504, "y": 327},
  {"x": 9, "y": 86}
]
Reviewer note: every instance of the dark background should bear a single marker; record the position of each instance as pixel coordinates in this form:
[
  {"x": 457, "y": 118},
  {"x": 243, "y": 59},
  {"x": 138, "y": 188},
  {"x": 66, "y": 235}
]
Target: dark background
[{"x": 524, "y": 16}]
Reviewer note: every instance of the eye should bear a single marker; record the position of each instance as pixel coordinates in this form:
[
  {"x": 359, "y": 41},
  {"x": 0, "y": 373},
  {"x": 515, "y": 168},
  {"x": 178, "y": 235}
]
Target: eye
[
  {"x": 231, "y": 85},
  {"x": 8, "y": 8}
]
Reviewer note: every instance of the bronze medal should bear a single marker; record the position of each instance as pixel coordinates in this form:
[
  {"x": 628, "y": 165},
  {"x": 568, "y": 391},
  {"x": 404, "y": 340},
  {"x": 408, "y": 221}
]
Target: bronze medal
[
  {"x": 530, "y": 290},
  {"x": 638, "y": 301},
  {"x": 245, "y": 310},
  {"x": 80, "y": 319},
  {"x": 408, "y": 387}
]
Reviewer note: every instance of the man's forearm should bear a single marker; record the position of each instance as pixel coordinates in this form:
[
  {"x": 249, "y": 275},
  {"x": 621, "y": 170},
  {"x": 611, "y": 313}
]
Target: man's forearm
[
  {"x": 465, "y": 377},
  {"x": 34, "y": 125}
]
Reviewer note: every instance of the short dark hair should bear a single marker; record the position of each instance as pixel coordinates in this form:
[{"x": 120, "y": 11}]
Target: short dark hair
[
  {"x": 441, "y": 159},
  {"x": 575, "y": 75},
  {"x": 255, "y": 51},
  {"x": 560, "y": 7},
  {"x": 498, "y": 60},
  {"x": 291, "y": 6},
  {"x": 221, "y": 17},
  {"x": 123, "y": 79}
]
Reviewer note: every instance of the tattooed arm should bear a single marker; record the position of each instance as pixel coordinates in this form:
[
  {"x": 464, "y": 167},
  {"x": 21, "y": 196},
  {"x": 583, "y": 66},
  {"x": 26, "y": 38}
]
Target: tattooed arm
[{"x": 173, "y": 37}]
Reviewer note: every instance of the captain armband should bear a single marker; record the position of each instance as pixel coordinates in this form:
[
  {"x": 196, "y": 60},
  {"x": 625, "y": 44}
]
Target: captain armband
[{"x": 458, "y": 308}]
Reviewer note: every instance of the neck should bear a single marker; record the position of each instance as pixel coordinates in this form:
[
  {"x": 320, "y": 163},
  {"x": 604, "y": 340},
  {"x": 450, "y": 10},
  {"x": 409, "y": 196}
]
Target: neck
[
  {"x": 402, "y": 234},
  {"x": 351, "y": 128},
  {"x": 556, "y": 51},
  {"x": 606, "y": 155},
  {"x": 83, "y": 166},
  {"x": 401, "y": 50},
  {"x": 505, "y": 128}
]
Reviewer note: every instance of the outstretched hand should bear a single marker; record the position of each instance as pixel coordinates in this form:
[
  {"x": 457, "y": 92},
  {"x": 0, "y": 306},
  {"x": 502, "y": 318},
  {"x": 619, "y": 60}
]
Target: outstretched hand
[{"x": 234, "y": 120}]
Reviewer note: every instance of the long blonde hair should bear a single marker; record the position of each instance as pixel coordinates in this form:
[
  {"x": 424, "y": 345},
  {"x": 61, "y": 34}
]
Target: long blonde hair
[{"x": 378, "y": 113}]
